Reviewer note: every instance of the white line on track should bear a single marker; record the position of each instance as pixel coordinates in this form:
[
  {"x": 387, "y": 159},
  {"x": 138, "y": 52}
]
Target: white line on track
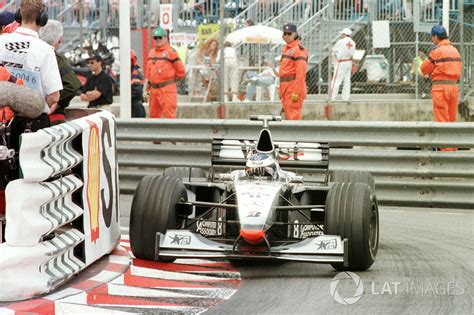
[{"x": 169, "y": 275}]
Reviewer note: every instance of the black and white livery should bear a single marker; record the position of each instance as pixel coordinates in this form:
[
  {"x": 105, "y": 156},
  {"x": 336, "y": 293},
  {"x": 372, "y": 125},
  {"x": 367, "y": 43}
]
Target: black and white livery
[{"x": 260, "y": 208}]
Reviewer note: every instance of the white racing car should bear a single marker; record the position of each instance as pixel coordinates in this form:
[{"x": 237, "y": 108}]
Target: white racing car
[{"x": 259, "y": 211}]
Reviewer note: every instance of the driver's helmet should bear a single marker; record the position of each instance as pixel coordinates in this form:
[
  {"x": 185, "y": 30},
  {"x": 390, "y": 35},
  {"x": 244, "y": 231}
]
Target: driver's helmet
[{"x": 261, "y": 164}]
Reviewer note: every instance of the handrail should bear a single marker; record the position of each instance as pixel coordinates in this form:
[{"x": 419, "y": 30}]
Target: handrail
[
  {"x": 281, "y": 13},
  {"x": 320, "y": 12}
]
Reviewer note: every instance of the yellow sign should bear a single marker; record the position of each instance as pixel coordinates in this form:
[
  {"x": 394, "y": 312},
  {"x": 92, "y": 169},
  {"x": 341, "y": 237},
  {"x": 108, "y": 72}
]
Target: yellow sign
[{"x": 208, "y": 31}]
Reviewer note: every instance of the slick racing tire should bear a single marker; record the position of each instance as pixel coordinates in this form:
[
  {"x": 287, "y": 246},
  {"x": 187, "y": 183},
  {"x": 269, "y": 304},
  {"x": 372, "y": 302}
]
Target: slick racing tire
[
  {"x": 353, "y": 177},
  {"x": 154, "y": 210},
  {"x": 352, "y": 213},
  {"x": 184, "y": 172}
]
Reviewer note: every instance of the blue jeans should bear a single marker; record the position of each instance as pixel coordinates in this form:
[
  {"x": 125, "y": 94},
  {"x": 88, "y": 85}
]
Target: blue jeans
[{"x": 260, "y": 81}]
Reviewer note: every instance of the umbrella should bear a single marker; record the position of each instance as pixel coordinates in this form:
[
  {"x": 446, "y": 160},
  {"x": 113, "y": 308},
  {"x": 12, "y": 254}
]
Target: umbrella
[{"x": 256, "y": 34}]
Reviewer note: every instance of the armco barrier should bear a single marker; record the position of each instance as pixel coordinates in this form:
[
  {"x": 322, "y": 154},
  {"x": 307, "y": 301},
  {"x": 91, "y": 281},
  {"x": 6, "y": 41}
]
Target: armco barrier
[{"x": 402, "y": 156}]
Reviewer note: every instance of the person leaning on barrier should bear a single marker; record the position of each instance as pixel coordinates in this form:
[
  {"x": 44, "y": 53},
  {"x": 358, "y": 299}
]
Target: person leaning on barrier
[
  {"x": 444, "y": 65},
  {"x": 52, "y": 33},
  {"x": 98, "y": 89},
  {"x": 163, "y": 69},
  {"x": 292, "y": 73}
]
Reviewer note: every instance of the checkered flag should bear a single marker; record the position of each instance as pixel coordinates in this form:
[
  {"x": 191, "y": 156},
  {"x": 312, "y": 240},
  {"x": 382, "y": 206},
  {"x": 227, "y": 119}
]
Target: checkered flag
[{"x": 19, "y": 47}]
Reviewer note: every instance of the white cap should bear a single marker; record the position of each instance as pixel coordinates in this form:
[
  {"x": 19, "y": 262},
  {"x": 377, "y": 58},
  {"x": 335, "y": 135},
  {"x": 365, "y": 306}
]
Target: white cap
[{"x": 346, "y": 31}]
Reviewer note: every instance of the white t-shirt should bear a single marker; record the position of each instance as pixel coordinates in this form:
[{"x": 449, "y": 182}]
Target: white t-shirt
[
  {"x": 229, "y": 53},
  {"x": 344, "y": 49},
  {"x": 31, "y": 59}
]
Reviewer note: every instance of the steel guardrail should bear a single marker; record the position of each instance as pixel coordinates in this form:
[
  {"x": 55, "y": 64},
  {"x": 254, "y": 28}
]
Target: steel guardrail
[{"x": 401, "y": 155}]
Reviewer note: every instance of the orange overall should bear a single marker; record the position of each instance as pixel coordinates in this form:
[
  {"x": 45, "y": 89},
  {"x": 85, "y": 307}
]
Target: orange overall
[
  {"x": 163, "y": 69},
  {"x": 293, "y": 79},
  {"x": 444, "y": 65}
]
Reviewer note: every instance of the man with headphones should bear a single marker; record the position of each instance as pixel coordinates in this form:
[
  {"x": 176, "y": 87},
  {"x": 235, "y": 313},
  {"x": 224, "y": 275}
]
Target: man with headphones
[{"x": 29, "y": 58}]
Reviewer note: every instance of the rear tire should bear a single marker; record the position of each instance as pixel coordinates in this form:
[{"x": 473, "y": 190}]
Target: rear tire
[
  {"x": 352, "y": 213},
  {"x": 154, "y": 210},
  {"x": 353, "y": 177}
]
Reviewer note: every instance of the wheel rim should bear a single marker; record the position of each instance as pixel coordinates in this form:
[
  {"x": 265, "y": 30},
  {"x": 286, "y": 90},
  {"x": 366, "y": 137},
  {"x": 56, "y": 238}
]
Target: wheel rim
[{"x": 373, "y": 229}]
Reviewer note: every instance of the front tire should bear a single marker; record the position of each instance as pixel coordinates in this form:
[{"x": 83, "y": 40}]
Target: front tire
[
  {"x": 154, "y": 210},
  {"x": 184, "y": 172},
  {"x": 345, "y": 176},
  {"x": 352, "y": 213}
]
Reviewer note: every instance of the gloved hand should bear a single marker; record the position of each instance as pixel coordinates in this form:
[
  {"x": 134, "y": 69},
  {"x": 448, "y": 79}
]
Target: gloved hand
[
  {"x": 146, "y": 95},
  {"x": 295, "y": 97}
]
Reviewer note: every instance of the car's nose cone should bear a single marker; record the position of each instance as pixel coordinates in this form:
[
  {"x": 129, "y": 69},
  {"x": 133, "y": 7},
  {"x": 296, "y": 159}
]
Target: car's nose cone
[{"x": 252, "y": 236}]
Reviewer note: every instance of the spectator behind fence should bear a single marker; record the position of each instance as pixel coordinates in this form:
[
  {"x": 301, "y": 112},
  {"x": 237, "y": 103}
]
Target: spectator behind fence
[
  {"x": 138, "y": 111},
  {"x": 199, "y": 66},
  {"x": 231, "y": 72},
  {"x": 163, "y": 69},
  {"x": 98, "y": 89},
  {"x": 343, "y": 52},
  {"x": 52, "y": 33},
  {"x": 444, "y": 65},
  {"x": 266, "y": 78},
  {"x": 292, "y": 73}
]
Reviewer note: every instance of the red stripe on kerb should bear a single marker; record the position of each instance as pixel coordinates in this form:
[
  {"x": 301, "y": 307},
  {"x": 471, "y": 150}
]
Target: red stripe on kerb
[
  {"x": 120, "y": 268},
  {"x": 104, "y": 299},
  {"x": 138, "y": 281},
  {"x": 119, "y": 252},
  {"x": 87, "y": 285},
  {"x": 36, "y": 306}
]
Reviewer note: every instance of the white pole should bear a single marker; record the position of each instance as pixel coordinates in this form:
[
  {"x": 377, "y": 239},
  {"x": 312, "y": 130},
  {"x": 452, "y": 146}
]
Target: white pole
[
  {"x": 446, "y": 15},
  {"x": 125, "y": 67}
]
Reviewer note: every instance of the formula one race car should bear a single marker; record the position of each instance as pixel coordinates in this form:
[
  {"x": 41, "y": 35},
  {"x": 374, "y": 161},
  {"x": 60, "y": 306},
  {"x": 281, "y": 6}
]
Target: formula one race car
[{"x": 259, "y": 211}]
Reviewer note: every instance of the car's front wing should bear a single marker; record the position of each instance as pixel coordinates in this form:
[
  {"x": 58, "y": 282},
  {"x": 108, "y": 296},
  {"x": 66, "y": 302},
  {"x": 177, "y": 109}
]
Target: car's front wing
[{"x": 188, "y": 244}]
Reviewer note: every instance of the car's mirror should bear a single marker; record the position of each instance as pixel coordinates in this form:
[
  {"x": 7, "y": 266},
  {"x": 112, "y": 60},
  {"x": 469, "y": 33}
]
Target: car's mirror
[{"x": 295, "y": 180}]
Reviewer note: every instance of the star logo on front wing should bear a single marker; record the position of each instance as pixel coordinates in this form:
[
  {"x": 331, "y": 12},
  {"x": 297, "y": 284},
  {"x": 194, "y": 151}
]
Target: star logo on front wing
[{"x": 329, "y": 244}]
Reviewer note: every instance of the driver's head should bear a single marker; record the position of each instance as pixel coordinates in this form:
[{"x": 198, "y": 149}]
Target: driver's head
[{"x": 261, "y": 164}]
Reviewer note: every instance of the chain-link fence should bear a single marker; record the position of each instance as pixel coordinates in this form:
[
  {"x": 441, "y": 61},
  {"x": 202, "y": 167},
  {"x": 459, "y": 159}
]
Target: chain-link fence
[{"x": 383, "y": 66}]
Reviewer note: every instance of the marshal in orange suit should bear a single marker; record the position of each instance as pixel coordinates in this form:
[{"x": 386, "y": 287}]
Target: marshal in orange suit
[
  {"x": 292, "y": 73},
  {"x": 444, "y": 66},
  {"x": 163, "y": 69}
]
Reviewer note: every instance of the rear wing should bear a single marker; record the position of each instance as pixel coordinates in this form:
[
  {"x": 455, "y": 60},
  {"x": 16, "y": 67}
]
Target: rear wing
[{"x": 233, "y": 153}]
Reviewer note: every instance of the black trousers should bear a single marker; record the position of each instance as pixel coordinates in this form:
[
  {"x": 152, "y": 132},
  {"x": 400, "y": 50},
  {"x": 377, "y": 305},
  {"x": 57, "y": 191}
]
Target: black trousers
[{"x": 20, "y": 125}]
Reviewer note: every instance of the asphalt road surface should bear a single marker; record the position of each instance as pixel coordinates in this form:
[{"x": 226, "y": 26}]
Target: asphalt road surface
[{"x": 425, "y": 265}]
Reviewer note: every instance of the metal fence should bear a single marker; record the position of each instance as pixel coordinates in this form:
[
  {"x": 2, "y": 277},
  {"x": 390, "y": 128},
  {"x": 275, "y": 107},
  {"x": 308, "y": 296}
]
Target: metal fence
[{"x": 408, "y": 171}]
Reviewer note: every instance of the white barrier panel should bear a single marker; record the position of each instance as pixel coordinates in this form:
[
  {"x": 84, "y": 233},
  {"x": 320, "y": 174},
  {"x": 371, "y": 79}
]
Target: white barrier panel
[
  {"x": 46, "y": 207},
  {"x": 28, "y": 271},
  {"x": 48, "y": 202}
]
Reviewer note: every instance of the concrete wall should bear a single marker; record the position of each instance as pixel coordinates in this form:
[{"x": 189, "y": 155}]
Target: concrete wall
[
  {"x": 401, "y": 110},
  {"x": 382, "y": 107}
]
